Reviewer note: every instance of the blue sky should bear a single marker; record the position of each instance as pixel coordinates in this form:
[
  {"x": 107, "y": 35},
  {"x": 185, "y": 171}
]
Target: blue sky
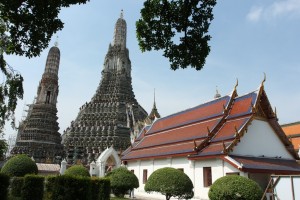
[{"x": 249, "y": 37}]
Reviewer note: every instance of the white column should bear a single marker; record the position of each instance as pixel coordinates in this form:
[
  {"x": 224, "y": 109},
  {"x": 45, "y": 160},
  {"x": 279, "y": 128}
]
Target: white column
[
  {"x": 93, "y": 170},
  {"x": 63, "y": 167}
]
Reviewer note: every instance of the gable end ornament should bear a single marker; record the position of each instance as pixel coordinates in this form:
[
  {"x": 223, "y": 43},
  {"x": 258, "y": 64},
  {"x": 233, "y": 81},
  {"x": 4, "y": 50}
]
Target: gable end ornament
[{"x": 225, "y": 150}]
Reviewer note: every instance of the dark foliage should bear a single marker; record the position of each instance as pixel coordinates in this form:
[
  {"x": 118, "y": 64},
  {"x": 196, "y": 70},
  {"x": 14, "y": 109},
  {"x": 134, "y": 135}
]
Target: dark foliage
[
  {"x": 33, "y": 187},
  {"x": 100, "y": 188},
  {"x": 71, "y": 187},
  {"x": 19, "y": 165},
  {"x": 4, "y": 183},
  {"x": 179, "y": 28},
  {"x": 171, "y": 183},
  {"x": 16, "y": 186},
  {"x": 235, "y": 187},
  {"x": 122, "y": 180},
  {"x": 3, "y": 148}
]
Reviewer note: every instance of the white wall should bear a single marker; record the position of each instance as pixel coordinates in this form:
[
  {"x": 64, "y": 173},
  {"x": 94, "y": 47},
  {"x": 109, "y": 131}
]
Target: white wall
[
  {"x": 260, "y": 140},
  {"x": 194, "y": 169}
]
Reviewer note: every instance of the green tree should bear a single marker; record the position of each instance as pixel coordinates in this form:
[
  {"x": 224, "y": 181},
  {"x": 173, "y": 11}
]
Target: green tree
[
  {"x": 77, "y": 170},
  {"x": 26, "y": 28},
  {"x": 3, "y": 149},
  {"x": 122, "y": 180},
  {"x": 235, "y": 187},
  {"x": 19, "y": 165},
  {"x": 179, "y": 27},
  {"x": 171, "y": 183}
]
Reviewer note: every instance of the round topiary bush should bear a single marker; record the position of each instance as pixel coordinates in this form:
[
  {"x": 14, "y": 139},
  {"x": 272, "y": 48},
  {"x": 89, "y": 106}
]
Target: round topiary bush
[
  {"x": 235, "y": 187},
  {"x": 122, "y": 180},
  {"x": 77, "y": 170},
  {"x": 170, "y": 182},
  {"x": 19, "y": 165}
]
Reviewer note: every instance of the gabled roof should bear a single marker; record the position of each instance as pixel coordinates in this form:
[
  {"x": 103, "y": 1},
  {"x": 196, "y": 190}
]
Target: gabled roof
[
  {"x": 261, "y": 164},
  {"x": 292, "y": 131},
  {"x": 210, "y": 129}
]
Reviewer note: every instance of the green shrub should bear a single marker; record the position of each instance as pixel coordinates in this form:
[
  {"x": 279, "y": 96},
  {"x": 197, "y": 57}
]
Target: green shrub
[
  {"x": 235, "y": 187},
  {"x": 4, "y": 183},
  {"x": 33, "y": 187},
  {"x": 19, "y": 165},
  {"x": 100, "y": 188},
  {"x": 16, "y": 186},
  {"x": 49, "y": 187},
  {"x": 77, "y": 170},
  {"x": 122, "y": 180},
  {"x": 170, "y": 182},
  {"x": 71, "y": 187}
]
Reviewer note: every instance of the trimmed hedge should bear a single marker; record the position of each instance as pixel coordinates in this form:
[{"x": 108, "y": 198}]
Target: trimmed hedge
[
  {"x": 71, "y": 187},
  {"x": 33, "y": 187},
  {"x": 75, "y": 187},
  {"x": 170, "y": 182},
  {"x": 16, "y": 186},
  {"x": 122, "y": 180},
  {"x": 4, "y": 183},
  {"x": 100, "y": 189},
  {"x": 77, "y": 170},
  {"x": 49, "y": 187},
  {"x": 19, "y": 165},
  {"x": 235, "y": 187}
]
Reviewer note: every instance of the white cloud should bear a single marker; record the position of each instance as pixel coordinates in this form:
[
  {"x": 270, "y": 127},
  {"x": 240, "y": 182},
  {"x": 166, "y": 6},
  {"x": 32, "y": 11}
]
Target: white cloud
[
  {"x": 280, "y": 8},
  {"x": 255, "y": 14}
]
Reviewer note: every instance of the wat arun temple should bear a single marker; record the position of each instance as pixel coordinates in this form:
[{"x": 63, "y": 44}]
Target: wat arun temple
[{"x": 112, "y": 118}]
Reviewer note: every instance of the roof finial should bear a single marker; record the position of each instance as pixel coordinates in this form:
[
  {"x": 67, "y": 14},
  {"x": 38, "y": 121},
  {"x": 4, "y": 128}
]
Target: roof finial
[
  {"x": 154, "y": 105},
  {"x": 237, "y": 83},
  {"x": 217, "y": 95},
  {"x": 56, "y": 41},
  {"x": 265, "y": 78},
  {"x": 122, "y": 14}
]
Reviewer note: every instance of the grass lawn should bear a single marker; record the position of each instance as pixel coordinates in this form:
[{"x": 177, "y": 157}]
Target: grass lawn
[{"x": 117, "y": 198}]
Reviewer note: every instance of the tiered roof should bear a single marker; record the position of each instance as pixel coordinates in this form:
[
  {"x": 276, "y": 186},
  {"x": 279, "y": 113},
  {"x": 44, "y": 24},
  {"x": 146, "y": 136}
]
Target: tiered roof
[
  {"x": 211, "y": 129},
  {"x": 292, "y": 131}
]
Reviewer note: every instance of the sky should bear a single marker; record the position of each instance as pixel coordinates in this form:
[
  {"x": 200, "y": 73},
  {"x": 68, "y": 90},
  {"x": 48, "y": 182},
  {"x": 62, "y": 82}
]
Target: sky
[{"x": 249, "y": 38}]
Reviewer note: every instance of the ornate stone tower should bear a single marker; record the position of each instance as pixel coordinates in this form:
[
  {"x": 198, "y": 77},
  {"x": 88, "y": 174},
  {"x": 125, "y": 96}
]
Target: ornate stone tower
[
  {"x": 38, "y": 134},
  {"x": 109, "y": 118}
]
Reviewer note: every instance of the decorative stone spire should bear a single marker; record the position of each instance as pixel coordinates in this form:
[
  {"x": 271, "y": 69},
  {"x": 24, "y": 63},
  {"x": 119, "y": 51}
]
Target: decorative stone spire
[
  {"x": 48, "y": 87},
  {"x": 120, "y": 32},
  {"x": 38, "y": 134},
  {"x": 113, "y": 112},
  {"x": 153, "y": 114},
  {"x": 217, "y": 95}
]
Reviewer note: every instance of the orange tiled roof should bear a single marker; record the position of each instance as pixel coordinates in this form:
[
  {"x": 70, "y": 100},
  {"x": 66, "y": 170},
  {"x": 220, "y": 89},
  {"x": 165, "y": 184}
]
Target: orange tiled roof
[
  {"x": 292, "y": 131},
  {"x": 210, "y": 129},
  {"x": 262, "y": 164}
]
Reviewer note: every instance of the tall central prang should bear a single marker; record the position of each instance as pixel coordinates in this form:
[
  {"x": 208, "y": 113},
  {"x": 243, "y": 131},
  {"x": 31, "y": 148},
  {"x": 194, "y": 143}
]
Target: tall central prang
[{"x": 109, "y": 118}]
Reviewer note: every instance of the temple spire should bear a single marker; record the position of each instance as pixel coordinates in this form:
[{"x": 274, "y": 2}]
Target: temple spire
[
  {"x": 122, "y": 14},
  {"x": 120, "y": 32},
  {"x": 217, "y": 95}
]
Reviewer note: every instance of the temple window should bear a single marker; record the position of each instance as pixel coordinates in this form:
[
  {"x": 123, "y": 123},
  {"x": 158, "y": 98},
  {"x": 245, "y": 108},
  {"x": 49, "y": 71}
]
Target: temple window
[
  {"x": 48, "y": 97},
  {"x": 232, "y": 173},
  {"x": 145, "y": 176},
  {"x": 207, "y": 177}
]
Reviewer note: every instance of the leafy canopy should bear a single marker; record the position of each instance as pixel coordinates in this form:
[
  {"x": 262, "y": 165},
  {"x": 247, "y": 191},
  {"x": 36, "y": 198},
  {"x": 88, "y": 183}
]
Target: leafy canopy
[
  {"x": 3, "y": 148},
  {"x": 26, "y": 28},
  {"x": 235, "y": 187},
  {"x": 171, "y": 183},
  {"x": 122, "y": 180},
  {"x": 77, "y": 170},
  {"x": 179, "y": 27},
  {"x": 19, "y": 165}
]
